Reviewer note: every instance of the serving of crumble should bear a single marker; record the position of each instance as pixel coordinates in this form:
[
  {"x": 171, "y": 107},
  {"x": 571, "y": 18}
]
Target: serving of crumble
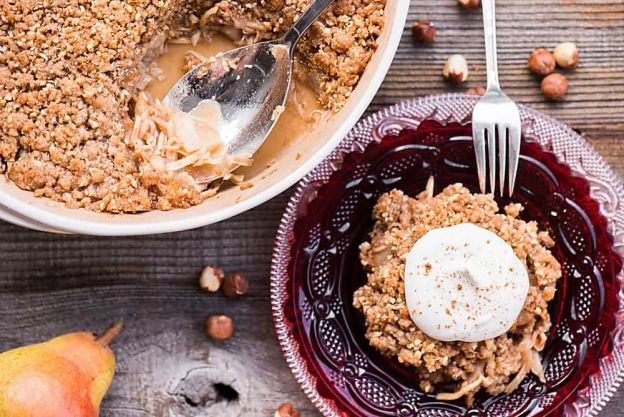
[{"x": 454, "y": 369}]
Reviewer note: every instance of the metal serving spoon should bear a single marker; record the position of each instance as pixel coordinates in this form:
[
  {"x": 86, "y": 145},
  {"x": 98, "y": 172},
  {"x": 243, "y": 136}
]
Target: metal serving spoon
[{"x": 250, "y": 83}]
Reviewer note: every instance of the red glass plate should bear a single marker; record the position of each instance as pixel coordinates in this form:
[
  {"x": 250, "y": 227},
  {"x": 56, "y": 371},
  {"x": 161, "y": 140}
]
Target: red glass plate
[{"x": 316, "y": 268}]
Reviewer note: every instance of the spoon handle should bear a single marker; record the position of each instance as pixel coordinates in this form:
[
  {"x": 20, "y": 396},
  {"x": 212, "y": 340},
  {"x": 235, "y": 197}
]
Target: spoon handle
[{"x": 305, "y": 21}]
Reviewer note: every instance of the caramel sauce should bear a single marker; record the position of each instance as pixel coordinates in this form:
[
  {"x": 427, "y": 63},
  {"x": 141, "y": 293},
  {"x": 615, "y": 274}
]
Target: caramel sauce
[{"x": 292, "y": 124}]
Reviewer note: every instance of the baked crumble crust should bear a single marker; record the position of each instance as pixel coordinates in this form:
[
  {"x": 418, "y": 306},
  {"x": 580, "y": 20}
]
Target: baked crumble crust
[{"x": 70, "y": 71}]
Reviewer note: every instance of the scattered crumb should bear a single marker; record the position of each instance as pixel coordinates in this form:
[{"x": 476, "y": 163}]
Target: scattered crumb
[
  {"x": 245, "y": 185},
  {"x": 268, "y": 174},
  {"x": 277, "y": 112}
]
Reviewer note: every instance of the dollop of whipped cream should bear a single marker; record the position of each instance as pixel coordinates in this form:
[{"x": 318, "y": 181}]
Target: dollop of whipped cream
[{"x": 464, "y": 283}]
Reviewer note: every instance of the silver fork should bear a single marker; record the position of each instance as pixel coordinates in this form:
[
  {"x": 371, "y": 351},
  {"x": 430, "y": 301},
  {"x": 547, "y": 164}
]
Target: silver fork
[{"x": 495, "y": 112}]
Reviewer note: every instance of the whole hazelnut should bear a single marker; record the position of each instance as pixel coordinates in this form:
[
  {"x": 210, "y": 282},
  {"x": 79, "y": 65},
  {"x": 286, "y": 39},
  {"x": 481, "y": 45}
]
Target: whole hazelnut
[
  {"x": 469, "y": 4},
  {"x": 566, "y": 55},
  {"x": 424, "y": 31},
  {"x": 211, "y": 278},
  {"x": 456, "y": 69},
  {"x": 286, "y": 410},
  {"x": 477, "y": 91},
  {"x": 235, "y": 285},
  {"x": 541, "y": 62},
  {"x": 554, "y": 86},
  {"x": 219, "y": 327}
]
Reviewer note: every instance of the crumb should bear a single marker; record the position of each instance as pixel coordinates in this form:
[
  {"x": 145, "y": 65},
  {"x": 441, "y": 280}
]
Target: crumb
[
  {"x": 192, "y": 59},
  {"x": 277, "y": 113},
  {"x": 268, "y": 174}
]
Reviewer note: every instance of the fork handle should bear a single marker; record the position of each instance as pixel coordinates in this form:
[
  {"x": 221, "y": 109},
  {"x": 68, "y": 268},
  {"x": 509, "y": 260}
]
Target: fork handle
[{"x": 489, "y": 26}]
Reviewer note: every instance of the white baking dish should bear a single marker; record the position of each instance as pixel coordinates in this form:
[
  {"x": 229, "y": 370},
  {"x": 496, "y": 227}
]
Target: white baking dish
[{"x": 293, "y": 161}]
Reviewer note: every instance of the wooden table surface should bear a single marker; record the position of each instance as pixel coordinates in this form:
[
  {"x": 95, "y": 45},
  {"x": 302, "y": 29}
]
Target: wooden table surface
[{"x": 51, "y": 284}]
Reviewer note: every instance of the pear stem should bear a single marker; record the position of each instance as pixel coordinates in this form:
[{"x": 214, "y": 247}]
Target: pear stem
[{"x": 109, "y": 334}]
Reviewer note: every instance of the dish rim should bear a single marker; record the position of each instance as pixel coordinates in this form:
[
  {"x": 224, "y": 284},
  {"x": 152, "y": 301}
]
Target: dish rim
[
  {"x": 39, "y": 218},
  {"x": 590, "y": 400}
]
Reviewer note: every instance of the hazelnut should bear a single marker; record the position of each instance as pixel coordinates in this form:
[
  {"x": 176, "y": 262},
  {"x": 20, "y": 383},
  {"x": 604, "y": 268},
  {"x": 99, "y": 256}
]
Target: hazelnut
[
  {"x": 235, "y": 285},
  {"x": 286, "y": 410},
  {"x": 541, "y": 62},
  {"x": 424, "y": 31},
  {"x": 554, "y": 86},
  {"x": 478, "y": 91},
  {"x": 211, "y": 278},
  {"x": 469, "y": 4},
  {"x": 219, "y": 327},
  {"x": 456, "y": 69},
  {"x": 566, "y": 55}
]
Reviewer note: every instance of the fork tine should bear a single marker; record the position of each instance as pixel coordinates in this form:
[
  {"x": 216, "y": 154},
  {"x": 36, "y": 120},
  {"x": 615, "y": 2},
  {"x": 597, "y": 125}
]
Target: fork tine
[
  {"x": 479, "y": 146},
  {"x": 514, "y": 155},
  {"x": 502, "y": 153},
  {"x": 491, "y": 131}
]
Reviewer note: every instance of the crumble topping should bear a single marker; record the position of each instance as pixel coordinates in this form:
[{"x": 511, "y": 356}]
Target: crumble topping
[
  {"x": 71, "y": 72},
  {"x": 454, "y": 370}
]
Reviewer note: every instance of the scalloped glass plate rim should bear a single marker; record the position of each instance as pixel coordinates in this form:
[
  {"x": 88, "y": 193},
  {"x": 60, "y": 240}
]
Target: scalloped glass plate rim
[{"x": 605, "y": 184}]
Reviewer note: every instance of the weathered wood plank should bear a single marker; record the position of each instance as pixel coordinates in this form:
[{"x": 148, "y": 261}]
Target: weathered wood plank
[
  {"x": 54, "y": 284},
  {"x": 596, "y": 87}
]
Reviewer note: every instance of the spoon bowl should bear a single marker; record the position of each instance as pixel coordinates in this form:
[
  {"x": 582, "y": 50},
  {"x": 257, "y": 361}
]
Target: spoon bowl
[{"x": 250, "y": 83}]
